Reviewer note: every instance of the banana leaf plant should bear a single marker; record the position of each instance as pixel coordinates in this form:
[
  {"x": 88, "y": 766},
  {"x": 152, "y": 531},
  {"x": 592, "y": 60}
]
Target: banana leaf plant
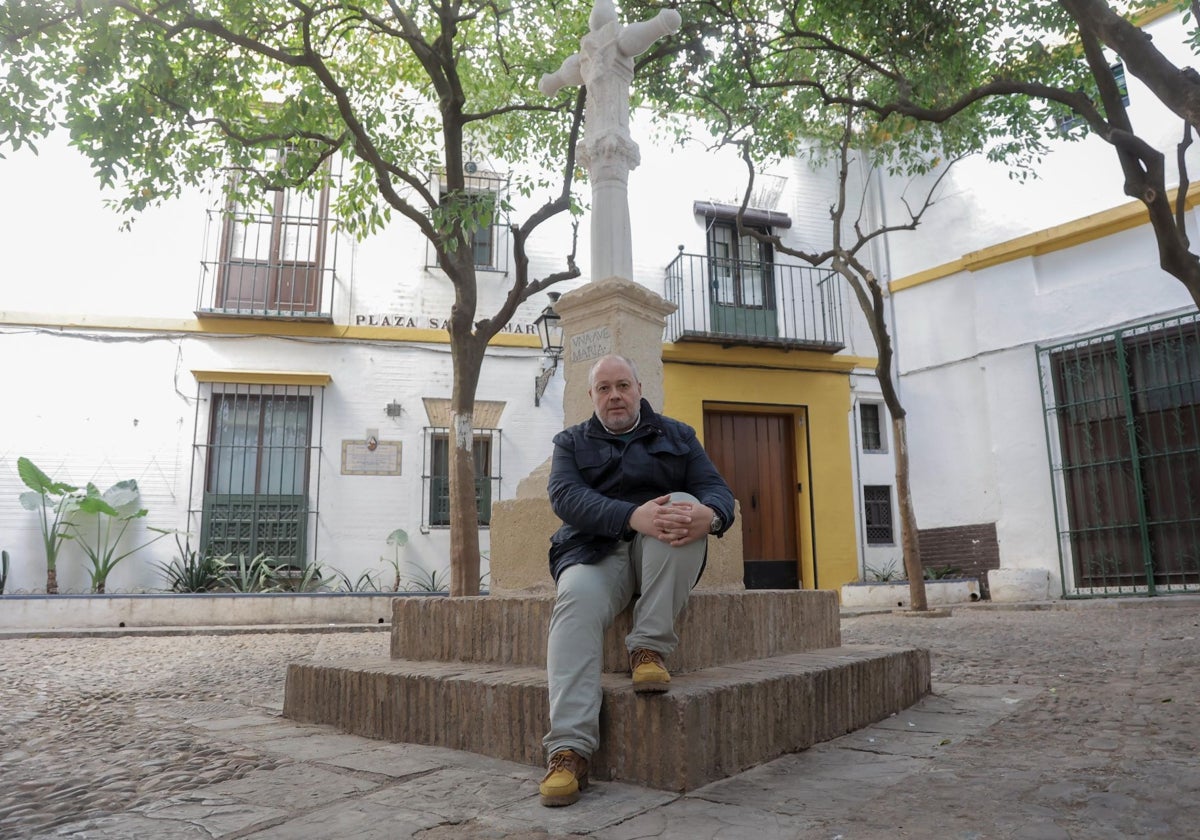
[
  {"x": 114, "y": 510},
  {"x": 397, "y": 539},
  {"x": 54, "y": 502}
]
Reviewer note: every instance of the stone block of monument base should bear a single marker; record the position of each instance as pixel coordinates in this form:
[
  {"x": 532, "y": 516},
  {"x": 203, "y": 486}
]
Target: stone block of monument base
[{"x": 757, "y": 675}]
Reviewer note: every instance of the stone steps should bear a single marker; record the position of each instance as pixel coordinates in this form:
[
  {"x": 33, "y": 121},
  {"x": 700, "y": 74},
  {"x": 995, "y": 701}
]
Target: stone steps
[
  {"x": 756, "y": 675},
  {"x": 711, "y": 724},
  {"x": 716, "y": 628}
]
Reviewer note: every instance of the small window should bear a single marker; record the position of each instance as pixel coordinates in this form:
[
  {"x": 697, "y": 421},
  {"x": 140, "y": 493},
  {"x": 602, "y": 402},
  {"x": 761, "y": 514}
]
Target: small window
[
  {"x": 877, "y": 514},
  {"x": 486, "y": 450},
  {"x": 1069, "y": 119},
  {"x": 869, "y": 415},
  {"x": 485, "y": 211}
]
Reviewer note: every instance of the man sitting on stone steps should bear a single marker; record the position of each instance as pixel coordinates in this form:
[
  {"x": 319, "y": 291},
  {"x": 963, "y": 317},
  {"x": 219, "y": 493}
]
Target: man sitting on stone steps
[{"x": 638, "y": 497}]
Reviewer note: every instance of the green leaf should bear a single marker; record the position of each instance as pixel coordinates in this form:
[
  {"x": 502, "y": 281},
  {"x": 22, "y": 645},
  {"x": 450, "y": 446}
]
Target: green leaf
[
  {"x": 124, "y": 497},
  {"x": 96, "y": 505},
  {"x": 39, "y": 482}
]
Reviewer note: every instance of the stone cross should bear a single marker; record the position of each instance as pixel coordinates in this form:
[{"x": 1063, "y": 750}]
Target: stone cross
[{"x": 604, "y": 64}]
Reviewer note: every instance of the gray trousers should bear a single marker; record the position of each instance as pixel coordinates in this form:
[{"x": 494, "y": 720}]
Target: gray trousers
[{"x": 589, "y": 598}]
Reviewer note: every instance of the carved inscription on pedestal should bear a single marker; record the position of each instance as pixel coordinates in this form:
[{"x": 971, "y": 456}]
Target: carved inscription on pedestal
[{"x": 591, "y": 344}]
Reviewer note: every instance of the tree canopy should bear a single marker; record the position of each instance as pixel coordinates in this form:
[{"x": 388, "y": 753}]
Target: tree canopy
[
  {"x": 164, "y": 96},
  {"x": 925, "y": 81}
]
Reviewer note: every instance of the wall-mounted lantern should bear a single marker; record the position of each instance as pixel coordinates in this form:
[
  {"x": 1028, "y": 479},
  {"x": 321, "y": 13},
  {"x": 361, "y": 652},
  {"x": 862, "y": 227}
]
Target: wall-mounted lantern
[{"x": 550, "y": 333}]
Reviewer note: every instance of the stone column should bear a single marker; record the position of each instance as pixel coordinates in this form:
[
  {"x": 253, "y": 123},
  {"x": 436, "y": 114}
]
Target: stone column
[{"x": 612, "y": 314}]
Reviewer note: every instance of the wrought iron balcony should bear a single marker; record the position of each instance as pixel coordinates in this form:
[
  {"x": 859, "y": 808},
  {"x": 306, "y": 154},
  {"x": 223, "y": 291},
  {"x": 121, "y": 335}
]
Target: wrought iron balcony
[
  {"x": 278, "y": 263},
  {"x": 765, "y": 304}
]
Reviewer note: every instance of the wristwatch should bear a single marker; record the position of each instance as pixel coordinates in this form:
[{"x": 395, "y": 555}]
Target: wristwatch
[{"x": 715, "y": 526}]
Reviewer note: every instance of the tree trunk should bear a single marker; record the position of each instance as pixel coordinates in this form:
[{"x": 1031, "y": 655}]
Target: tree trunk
[
  {"x": 467, "y": 354},
  {"x": 908, "y": 519},
  {"x": 51, "y": 581},
  {"x": 909, "y": 543}
]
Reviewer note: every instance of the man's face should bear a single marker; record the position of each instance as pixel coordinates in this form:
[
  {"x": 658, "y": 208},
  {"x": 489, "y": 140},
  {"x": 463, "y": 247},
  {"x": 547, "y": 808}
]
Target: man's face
[{"x": 615, "y": 394}]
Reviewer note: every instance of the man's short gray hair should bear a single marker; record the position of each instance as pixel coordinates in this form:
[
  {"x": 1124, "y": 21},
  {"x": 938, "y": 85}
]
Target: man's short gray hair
[{"x": 602, "y": 359}]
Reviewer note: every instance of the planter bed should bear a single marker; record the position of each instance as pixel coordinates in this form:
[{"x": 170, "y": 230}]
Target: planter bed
[
  {"x": 58, "y": 612},
  {"x": 894, "y": 593}
]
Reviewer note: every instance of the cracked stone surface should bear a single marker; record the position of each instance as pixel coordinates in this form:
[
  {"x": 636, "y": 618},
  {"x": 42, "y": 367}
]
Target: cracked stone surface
[{"x": 1048, "y": 724}]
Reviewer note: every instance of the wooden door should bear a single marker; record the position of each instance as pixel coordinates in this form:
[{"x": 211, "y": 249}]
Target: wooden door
[{"x": 756, "y": 454}]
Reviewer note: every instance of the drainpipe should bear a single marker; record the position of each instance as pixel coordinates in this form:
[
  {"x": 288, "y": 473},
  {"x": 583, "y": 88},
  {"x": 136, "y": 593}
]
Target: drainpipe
[{"x": 859, "y": 523}]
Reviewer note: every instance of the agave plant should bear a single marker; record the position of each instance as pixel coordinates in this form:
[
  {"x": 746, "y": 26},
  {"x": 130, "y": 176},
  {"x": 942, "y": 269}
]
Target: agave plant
[
  {"x": 255, "y": 575},
  {"x": 311, "y": 579},
  {"x": 192, "y": 572},
  {"x": 365, "y": 583},
  {"x": 428, "y": 580},
  {"x": 54, "y": 501}
]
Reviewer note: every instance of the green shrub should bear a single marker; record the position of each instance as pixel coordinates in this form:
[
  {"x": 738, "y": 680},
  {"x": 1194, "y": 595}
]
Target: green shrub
[
  {"x": 256, "y": 575},
  {"x": 190, "y": 572},
  {"x": 884, "y": 573}
]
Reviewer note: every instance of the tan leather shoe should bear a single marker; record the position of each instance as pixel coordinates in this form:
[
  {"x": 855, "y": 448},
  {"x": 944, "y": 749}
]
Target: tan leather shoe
[
  {"x": 566, "y": 776},
  {"x": 650, "y": 675}
]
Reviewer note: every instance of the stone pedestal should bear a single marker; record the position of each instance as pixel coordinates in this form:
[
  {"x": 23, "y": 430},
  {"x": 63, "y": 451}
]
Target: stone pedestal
[
  {"x": 608, "y": 316},
  {"x": 521, "y": 531},
  {"x": 611, "y": 316}
]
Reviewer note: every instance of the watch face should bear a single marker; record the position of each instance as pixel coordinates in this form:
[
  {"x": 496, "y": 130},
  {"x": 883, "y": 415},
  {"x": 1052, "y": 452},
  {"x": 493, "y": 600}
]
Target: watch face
[{"x": 715, "y": 526}]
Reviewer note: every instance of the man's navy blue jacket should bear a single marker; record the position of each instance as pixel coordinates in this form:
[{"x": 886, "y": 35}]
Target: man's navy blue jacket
[{"x": 597, "y": 481}]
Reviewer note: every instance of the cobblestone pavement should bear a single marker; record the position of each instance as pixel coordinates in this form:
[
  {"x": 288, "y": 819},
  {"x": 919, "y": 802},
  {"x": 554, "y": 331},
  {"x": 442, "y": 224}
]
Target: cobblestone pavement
[{"x": 1079, "y": 721}]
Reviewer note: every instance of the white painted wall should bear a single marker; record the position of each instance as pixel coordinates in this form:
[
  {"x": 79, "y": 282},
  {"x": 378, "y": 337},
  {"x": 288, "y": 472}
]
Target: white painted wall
[
  {"x": 968, "y": 341},
  {"x": 103, "y": 405}
]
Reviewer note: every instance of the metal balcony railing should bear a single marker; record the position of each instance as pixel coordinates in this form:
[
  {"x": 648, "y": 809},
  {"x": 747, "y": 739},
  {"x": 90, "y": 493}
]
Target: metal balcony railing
[
  {"x": 268, "y": 265},
  {"x": 754, "y": 303}
]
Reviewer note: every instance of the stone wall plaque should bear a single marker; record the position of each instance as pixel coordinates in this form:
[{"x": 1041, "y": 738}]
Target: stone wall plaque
[{"x": 359, "y": 458}]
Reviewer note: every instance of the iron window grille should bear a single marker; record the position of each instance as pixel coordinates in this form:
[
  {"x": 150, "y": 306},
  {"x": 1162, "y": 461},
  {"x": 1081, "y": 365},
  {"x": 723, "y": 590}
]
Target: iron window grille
[
  {"x": 870, "y": 422},
  {"x": 1122, "y": 418},
  {"x": 877, "y": 514},
  {"x": 256, "y": 464},
  {"x": 274, "y": 255},
  {"x": 435, "y": 508}
]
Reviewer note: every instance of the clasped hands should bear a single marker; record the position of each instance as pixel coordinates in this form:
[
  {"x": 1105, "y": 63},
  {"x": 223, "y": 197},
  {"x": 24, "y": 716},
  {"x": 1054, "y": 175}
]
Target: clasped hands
[{"x": 674, "y": 523}]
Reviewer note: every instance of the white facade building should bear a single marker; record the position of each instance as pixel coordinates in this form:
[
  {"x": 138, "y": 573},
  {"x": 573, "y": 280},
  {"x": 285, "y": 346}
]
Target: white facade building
[
  {"x": 312, "y": 424},
  {"x": 132, "y": 355},
  {"x": 1003, "y": 268}
]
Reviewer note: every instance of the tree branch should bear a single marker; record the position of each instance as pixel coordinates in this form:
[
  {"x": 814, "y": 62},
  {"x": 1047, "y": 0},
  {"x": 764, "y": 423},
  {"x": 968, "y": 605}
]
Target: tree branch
[
  {"x": 522, "y": 288},
  {"x": 1177, "y": 88}
]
